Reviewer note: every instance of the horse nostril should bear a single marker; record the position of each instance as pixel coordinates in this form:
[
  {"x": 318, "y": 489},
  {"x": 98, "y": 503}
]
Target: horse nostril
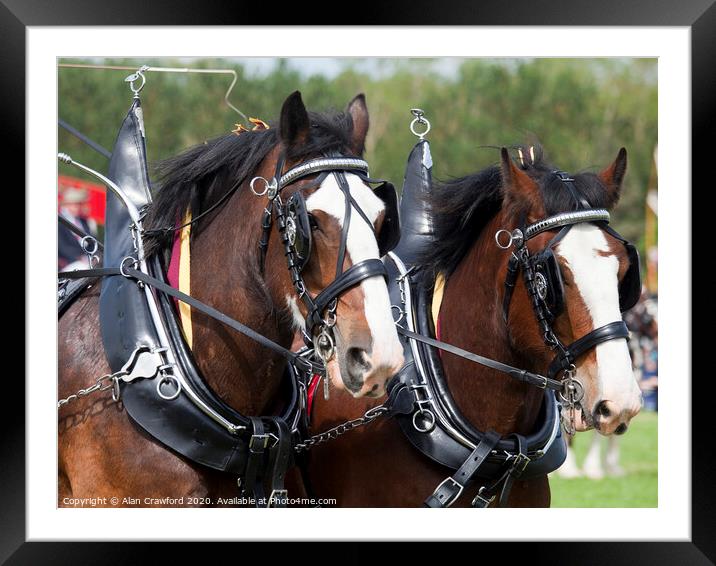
[
  {"x": 357, "y": 361},
  {"x": 621, "y": 429},
  {"x": 603, "y": 410}
]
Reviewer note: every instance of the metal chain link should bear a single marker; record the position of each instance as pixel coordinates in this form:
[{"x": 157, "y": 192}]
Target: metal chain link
[
  {"x": 99, "y": 385},
  {"x": 369, "y": 416}
]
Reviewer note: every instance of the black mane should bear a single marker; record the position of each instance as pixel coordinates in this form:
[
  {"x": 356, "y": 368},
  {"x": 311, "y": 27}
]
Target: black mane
[
  {"x": 462, "y": 207},
  {"x": 203, "y": 174}
]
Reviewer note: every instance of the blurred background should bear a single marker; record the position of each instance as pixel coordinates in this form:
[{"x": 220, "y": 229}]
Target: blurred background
[{"x": 581, "y": 110}]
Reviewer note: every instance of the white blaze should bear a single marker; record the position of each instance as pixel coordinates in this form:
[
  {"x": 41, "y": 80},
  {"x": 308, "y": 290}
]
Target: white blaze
[
  {"x": 361, "y": 244},
  {"x": 298, "y": 321},
  {"x": 596, "y": 278}
]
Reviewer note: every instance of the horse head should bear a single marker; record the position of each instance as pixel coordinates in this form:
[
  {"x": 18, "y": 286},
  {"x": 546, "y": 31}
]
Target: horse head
[
  {"x": 337, "y": 226},
  {"x": 583, "y": 276}
]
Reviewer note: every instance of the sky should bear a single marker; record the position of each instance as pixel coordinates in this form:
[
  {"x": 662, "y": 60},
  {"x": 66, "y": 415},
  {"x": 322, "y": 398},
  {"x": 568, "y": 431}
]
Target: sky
[{"x": 330, "y": 67}]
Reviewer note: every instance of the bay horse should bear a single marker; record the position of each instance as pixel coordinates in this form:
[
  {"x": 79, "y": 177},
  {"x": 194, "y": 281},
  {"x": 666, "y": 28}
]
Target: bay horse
[
  {"x": 102, "y": 453},
  {"x": 375, "y": 466}
]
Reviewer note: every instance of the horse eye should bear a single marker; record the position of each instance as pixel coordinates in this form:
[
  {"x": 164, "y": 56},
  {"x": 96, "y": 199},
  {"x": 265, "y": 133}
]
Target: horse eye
[{"x": 312, "y": 222}]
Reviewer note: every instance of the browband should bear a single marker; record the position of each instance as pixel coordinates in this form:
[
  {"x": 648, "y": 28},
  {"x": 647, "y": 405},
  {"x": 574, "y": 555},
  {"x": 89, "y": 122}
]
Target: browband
[
  {"x": 322, "y": 164},
  {"x": 564, "y": 219}
]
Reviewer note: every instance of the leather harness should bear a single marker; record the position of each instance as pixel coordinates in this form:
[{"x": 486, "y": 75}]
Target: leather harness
[
  {"x": 174, "y": 404},
  {"x": 155, "y": 373}
]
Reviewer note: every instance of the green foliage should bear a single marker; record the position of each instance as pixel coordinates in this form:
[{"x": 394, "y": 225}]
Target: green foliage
[
  {"x": 639, "y": 459},
  {"x": 581, "y": 110}
]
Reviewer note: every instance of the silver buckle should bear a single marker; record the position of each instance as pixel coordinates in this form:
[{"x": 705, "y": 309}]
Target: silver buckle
[
  {"x": 521, "y": 461},
  {"x": 485, "y": 502},
  {"x": 259, "y": 437},
  {"x": 451, "y": 499}
]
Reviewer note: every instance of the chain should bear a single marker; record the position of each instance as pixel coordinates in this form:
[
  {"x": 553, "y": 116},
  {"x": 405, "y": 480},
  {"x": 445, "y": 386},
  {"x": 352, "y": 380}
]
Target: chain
[
  {"x": 100, "y": 385},
  {"x": 369, "y": 416}
]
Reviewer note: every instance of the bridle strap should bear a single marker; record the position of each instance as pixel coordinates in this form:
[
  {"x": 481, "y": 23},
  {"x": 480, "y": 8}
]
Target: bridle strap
[
  {"x": 611, "y": 331},
  {"x": 345, "y": 189},
  {"x": 337, "y": 166},
  {"x": 349, "y": 278},
  {"x": 564, "y": 219},
  {"x": 579, "y": 201},
  {"x": 319, "y": 165}
]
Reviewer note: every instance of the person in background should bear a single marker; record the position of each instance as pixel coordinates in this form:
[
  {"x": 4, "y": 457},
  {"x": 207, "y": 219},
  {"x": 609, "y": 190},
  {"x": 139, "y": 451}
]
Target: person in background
[{"x": 73, "y": 208}]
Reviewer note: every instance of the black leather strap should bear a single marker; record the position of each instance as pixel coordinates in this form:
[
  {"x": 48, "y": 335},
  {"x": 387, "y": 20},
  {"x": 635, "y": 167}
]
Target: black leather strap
[
  {"x": 452, "y": 487},
  {"x": 349, "y": 278},
  {"x": 519, "y": 374},
  {"x": 300, "y": 362},
  {"x": 78, "y": 231},
  {"x": 518, "y": 467},
  {"x": 611, "y": 331},
  {"x": 258, "y": 446},
  {"x": 279, "y": 460},
  {"x": 579, "y": 201}
]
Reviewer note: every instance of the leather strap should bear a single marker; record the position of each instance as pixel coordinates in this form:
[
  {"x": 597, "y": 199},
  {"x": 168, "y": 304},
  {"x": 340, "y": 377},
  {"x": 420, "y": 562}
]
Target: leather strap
[
  {"x": 258, "y": 444},
  {"x": 611, "y": 331},
  {"x": 452, "y": 487},
  {"x": 519, "y": 374},
  {"x": 279, "y": 460},
  {"x": 78, "y": 231},
  {"x": 300, "y": 362},
  {"x": 579, "y": 201},
  {"x": 349, "y": 278},
  {"x": 516, "y": 470}
]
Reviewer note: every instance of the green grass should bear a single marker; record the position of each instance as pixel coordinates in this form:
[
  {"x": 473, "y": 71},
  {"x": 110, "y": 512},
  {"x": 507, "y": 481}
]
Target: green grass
[{"x": 637, "y": 488}]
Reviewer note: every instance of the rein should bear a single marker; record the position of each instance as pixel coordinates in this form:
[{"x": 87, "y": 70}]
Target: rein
[{"x": 299, "y": 361}]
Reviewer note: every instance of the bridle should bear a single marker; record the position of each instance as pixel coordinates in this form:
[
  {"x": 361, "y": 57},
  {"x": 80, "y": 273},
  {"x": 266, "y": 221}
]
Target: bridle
[
  {"x": 294, "y": 229},
  {"x": 542, "y": 277}
]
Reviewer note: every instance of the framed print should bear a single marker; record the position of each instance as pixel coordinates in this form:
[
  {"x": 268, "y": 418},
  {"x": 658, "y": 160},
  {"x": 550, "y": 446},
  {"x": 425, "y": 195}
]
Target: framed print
[{"x": 532, "y": 98}]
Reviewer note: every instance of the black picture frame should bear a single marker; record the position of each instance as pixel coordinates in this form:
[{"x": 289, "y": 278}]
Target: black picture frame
[{"x": 698, "y": 15}]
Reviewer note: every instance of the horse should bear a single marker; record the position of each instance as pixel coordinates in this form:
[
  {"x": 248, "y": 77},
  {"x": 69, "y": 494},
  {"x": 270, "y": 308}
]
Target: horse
[
  {"x": 374, "y": 465},
  {"x": 238, "y": 265}
]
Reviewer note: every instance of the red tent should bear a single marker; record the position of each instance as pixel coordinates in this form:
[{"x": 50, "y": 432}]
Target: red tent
[{"x": 96, "y": 202}]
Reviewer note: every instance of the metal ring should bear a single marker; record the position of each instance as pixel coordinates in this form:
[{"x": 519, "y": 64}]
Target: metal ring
[
  {"x": 330, "y": 320},
  {"x": 85, "y": 248},
  {"x": 165, "y": 379},
  {"x": 116, "y": 392},
  {"x": 251, "y": 186},
  {"x": 578, "y": 389},
  {"x": 420, "y": 120},
  {"x": 430, "y": 420},
  {"x": 321, "y": 349},
  {"x": 121, "y": 265},
  {"x": 401, "y": 313},
  {"x": 500, "y": 244},
  {"x": 139, "y": 74}
]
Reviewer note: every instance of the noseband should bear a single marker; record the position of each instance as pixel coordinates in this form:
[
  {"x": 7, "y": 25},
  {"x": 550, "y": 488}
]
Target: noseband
[
  {"x": 295, "y": 232},
  {"x": 542, "y": 276}
]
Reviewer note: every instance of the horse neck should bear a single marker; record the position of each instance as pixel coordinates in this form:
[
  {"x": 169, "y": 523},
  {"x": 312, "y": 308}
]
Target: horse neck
[
  {"x": 225, "y": 274},
  {"x": 471, "y": 318}
]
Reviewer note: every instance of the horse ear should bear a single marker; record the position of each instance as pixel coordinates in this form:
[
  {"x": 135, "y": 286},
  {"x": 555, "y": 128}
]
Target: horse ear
[
  {"x": 294, "y": 122},
  {"x": 613, "y": 176},
  {"x": 518, "y": 186},
  {"x": 359, "y": 114}
]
